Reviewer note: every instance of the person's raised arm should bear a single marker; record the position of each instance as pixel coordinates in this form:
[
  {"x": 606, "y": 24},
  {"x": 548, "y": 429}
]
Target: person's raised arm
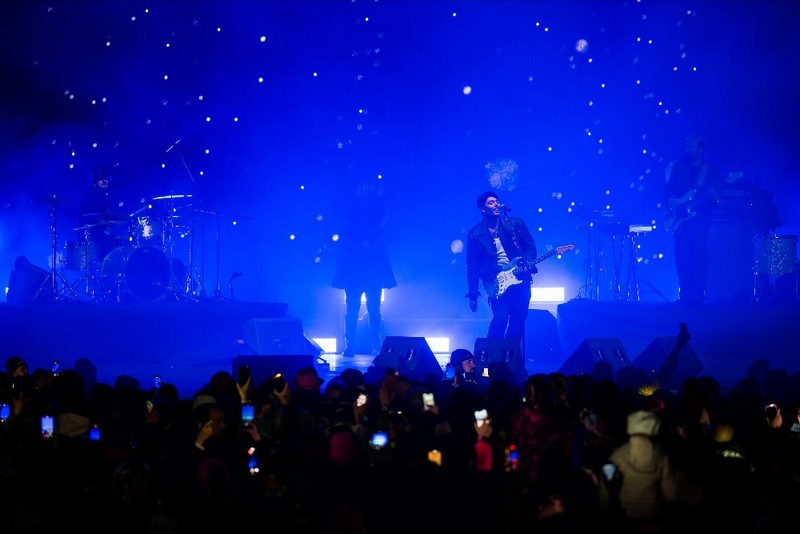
[{"x": 667, "y": 369}]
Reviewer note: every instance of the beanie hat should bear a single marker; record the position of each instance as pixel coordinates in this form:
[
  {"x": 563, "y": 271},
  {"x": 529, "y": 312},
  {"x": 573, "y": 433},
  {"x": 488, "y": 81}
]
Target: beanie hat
[
  {"x": 459, "y": 355},
  {"x": 643, "y": 423}
]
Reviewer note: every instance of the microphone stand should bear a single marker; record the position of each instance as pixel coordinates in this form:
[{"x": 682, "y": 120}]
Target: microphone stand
[
  {"x": 217, "y": 289},
  {"x": 189, "y": 276},
  {"x": 217, "y": 216},
  {"x": 52, "y": 279}
]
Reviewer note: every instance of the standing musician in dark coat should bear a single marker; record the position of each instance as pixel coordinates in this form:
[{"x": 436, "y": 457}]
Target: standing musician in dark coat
[{"x": 363, "y": 267}]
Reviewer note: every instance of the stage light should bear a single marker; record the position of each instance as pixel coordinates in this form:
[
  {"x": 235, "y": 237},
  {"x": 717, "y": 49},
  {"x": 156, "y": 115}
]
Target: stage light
[
  {"x": 547, "y": 294},
  {"x": 327, "y": 344},
  {"x": 439, "y": 344},
  {"x": 364, "y": 297}
]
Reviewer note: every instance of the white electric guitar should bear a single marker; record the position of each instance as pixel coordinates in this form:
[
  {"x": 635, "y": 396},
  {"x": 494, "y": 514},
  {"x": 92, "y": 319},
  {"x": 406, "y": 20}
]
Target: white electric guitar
[{"x": 508, "y": 276}]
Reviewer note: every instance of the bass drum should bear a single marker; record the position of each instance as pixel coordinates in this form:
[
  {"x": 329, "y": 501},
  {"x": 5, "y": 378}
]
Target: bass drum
[{"x": 140, "y": 274}]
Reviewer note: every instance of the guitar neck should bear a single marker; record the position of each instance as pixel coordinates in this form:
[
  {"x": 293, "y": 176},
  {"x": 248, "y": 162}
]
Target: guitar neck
[
  {"x": 545, "y": 256},
  {"x": 531, "y": 263}
]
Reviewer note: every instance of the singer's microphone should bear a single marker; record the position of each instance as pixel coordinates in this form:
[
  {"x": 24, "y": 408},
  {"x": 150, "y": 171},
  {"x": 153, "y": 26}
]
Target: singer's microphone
[
  {"x": 504, "y": 207},
  {"x": 173, "y": 145}
]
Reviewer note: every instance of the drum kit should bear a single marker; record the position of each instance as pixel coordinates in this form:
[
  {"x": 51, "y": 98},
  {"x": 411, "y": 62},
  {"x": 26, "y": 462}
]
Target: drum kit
[{"x": 136, "y": 257}]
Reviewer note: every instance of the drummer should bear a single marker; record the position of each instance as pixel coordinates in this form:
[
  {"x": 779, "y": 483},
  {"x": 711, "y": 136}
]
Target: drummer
[{"x": 102, "y": 222}]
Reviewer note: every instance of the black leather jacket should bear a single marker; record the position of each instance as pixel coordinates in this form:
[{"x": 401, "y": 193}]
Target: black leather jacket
[{"x": 482, "y": 255}]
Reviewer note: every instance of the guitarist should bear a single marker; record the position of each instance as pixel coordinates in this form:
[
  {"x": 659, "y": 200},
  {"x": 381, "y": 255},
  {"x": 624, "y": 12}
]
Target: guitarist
[
  {"x": 493, "y": 244},
  {"x": 692, "y": 189}
]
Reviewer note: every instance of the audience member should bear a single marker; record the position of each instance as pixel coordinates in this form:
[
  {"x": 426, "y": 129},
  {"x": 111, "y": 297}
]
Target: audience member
[{"x": 647, "y": 482}]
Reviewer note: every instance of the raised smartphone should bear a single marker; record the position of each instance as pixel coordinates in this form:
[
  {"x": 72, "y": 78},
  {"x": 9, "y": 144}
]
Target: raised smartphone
[
  {"x": 47, "y": 426},
  {"x": 480, "y": 416},
  {"x": 248, "y": 414},
  {"x": 449, "y": 373},
  {"x": 609, "y": 471},
  {"x": 435, "y": 456},
  {"x": 379, "y": 440}
]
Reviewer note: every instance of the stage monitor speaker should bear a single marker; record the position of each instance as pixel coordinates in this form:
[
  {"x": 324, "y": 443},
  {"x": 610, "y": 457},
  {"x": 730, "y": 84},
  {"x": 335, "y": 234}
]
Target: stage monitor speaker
[
  {"x": 542, "y": 344},
  {"x": 594, "y": 351},
  {"x": 282, "y": 335},
  {"x": 28, "y": 283},
  {"x": 652, "y": 358},
  {"x": 265, "y": 366},
  {"x": 411, "y": 356},
  {"x": 499, "y": 355}
]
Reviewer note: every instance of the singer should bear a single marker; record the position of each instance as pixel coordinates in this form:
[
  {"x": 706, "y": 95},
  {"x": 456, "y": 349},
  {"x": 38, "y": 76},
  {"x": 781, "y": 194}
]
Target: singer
[{"x": 492, "y": 245}]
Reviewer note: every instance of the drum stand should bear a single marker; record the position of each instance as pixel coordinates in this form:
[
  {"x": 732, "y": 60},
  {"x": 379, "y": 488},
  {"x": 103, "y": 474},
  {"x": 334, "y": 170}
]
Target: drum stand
[
  {"x": 771, "y": 288},
  {"x": 87, "y": 264},
  {"x": 182, "y": 289},
  {"x": 776, "y": 269},
  {"x": 190, "y": 287},
  {"x": 217, "y": 289},
  {"x": 53, "y": 279}
]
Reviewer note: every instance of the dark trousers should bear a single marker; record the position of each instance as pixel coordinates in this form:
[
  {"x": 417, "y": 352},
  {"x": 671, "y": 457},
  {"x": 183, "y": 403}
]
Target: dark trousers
[
  {"x": 509, "y": 312},
  {"x": 352, "y": 299},
  {"x": 691, "y": 258}
]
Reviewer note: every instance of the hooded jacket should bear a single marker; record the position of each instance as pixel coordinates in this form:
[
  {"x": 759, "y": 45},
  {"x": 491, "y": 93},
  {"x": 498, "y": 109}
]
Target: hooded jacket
[{"x": 648, "y": 482}]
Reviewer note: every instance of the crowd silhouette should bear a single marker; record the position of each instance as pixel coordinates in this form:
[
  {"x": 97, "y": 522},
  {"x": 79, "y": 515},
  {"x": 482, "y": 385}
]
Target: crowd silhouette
[{"x": 556, "y": 454}]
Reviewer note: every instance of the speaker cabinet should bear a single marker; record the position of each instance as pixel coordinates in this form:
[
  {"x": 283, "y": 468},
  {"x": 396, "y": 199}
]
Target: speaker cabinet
[
  {"x": 542, "y": 344},
  {"x": 28, "y": 283},
  {"x": 411, "y": 356},
  {"x": 278, "y": 336},
  {"x": 265, "y": 366},
  {"x": 500, "y": 355},
  {"x": 593, "y": 351},
  {"x": 653, "y": 357}
]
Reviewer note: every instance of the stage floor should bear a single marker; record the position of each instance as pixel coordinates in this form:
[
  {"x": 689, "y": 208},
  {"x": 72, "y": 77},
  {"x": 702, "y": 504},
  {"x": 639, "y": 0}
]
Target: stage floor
[{"x": 186, "y": 343}]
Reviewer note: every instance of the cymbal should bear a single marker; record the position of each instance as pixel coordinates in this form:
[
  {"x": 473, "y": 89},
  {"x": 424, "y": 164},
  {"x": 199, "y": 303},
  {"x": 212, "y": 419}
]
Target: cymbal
[
  {"x": 85, "y": 227},
  {"x": 108, "y": 216},
  {"x": 52, "y": 200},
  {"x": 172, "y": 197}
]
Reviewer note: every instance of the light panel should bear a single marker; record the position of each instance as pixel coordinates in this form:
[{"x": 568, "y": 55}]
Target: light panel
[
  {"x": 547, "y": 294},
  {"x": 439, "y": 344},
  {"x": 327, "y": 344}
]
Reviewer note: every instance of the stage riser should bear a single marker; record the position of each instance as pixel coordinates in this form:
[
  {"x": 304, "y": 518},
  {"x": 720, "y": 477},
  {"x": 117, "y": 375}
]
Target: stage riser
[
  {"x": 725, "y": 338},
  {"x": 183, "y": 343}
]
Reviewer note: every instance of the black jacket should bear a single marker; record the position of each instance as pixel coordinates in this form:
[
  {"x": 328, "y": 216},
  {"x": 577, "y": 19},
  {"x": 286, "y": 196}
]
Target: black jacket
[{"x": 482, "y": 255}]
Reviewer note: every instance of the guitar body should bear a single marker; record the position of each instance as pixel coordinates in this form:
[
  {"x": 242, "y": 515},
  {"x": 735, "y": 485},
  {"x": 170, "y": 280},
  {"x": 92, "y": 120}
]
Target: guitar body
[
  {"x": 511, "y": 274},
  {"x": 682, "y": 209},
  {"x": 505, "y": 279},
  {"x": 685, "y": 207}
]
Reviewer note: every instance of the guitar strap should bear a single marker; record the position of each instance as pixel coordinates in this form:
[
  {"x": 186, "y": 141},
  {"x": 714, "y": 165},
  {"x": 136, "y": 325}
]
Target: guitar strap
[{"x": 510, "y": 228}]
